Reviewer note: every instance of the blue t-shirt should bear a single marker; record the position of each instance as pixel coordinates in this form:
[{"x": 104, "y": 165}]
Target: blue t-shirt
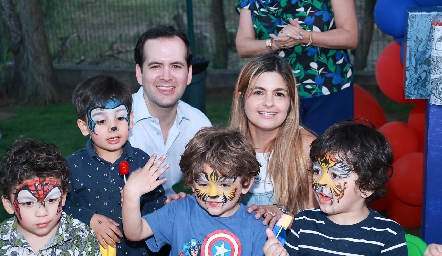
[
  {"x": 96, "y": 185},
  {"x": 187, "y": 227}
]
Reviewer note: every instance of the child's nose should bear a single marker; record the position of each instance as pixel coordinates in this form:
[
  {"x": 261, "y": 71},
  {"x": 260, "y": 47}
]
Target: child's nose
[
  {"x": 113, "y": 129},
  {"x": 41, "y": 210}
]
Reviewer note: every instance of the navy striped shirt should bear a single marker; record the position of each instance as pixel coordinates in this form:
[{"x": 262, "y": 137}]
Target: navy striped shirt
[{"x": 312, "y": 233}]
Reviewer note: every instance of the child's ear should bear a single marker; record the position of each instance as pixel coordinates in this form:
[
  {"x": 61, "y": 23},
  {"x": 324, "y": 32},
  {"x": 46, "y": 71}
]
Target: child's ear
[
  {"x": 131, "y": 118},
  {"x": 83, "y": 127},
  {"x": 244, "y": 190},
  {"x": 63, "y": 199},
  {"x": 7, "y": 205},
  {"x": 365, "y": 194}
]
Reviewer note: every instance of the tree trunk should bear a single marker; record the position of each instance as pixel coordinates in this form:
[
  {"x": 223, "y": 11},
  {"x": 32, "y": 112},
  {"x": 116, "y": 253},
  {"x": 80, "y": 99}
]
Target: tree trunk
[
  {"x": 219, "y": 29},
  {"x": 34, "y": 79},
  {"x": 365, "y": 36}
]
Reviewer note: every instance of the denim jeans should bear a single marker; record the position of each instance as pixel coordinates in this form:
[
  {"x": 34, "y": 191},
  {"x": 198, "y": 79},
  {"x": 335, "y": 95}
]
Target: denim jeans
[{"x": 258, "y": 198}]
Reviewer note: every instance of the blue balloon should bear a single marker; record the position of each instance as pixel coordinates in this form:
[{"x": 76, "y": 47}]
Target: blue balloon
[
  {"x": 400, "y": 40},
  {"x": 402, "y": 51},
  {"x": 428, "y": 3},
  {"x": 390, "y": 16}
]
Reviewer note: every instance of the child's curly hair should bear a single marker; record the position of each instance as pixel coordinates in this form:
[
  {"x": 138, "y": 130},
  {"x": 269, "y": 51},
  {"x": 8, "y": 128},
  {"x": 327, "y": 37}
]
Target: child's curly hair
[
  {"x": 224, "y": 150},
  {"x": 364, "y": 149},
  {"x": 29, "y": 159}
]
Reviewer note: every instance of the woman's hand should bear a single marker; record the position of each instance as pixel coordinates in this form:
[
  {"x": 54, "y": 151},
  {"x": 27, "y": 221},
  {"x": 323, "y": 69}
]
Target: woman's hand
[
  {"x": 270, "y": 213},
  {"x": 291, "y": 35}
]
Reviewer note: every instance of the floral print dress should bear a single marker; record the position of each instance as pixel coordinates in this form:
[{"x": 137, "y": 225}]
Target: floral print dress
[{"x": 318, "y": 71}]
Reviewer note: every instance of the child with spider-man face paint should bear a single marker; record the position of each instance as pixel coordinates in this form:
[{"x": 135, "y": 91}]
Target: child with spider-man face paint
[
  {"x": 219, "y": 164},
  {"x": 34, "y": 183},
  {"x": 104, "y": 110},
  {"x": 351, "y": 164}
]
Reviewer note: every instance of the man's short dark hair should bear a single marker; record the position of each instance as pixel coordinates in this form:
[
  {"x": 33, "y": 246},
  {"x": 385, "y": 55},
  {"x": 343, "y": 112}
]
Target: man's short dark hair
[{"x": 161, "y": 31}]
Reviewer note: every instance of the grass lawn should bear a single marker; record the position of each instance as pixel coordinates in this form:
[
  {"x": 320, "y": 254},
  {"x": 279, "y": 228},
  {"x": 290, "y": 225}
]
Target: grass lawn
[{"x": 57, "y": 123}]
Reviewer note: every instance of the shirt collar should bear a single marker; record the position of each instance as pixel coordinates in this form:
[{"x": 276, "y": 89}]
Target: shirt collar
[{"x": 141, "y": 112}]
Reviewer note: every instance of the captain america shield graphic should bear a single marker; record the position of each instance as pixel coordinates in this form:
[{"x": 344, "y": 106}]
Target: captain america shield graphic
[{"x": 221, "y": 243}]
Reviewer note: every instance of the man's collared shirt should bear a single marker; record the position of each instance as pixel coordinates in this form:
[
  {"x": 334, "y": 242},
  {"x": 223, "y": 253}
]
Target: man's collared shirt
[{"x": 146, "y": 134}]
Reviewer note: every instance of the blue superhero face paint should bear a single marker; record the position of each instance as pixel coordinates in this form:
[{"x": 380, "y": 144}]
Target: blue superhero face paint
[{"x": 101, "y": 114}]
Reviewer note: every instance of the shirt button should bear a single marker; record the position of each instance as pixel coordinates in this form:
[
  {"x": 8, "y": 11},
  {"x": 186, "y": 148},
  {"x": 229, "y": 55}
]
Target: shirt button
[{"x": 112, "y": 168}]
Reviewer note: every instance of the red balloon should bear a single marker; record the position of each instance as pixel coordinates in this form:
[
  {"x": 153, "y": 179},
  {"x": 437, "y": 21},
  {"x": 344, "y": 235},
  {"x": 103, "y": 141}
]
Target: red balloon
[
  {"x": 407, "y": 178},
  {"x": 383, "y": 203},
  {"x": 366, "y": 106},
  {"x": 406, "y": 215},
  {"x": 402, "y": 138},
  {"x": 416, "y": 120},
  {"x": 389, "y": 73}
]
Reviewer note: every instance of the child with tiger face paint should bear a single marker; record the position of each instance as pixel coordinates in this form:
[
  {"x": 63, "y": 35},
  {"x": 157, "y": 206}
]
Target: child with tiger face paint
[
  {"x": 219, "y": 164},
  {"x": 352, "y": 162}
]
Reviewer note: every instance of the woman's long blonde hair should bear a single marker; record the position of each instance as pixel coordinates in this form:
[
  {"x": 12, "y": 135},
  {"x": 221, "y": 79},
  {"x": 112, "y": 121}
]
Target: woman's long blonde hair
[{"x": 287, "y": 166}]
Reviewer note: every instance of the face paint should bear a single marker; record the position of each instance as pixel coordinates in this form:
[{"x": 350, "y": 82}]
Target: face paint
[
  {"x": 327, "y": 175},
  {"x": 33, "y": 194},
  {"x": 95, "y": 114},
  {"x": 214, "y": 186}
]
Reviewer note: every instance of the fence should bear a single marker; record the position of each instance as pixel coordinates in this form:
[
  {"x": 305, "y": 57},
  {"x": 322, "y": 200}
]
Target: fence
[{"x": 104, "y": 32}]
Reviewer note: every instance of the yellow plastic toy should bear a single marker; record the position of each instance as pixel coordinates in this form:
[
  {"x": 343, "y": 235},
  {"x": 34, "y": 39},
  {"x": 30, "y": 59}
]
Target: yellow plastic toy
[{"x": 109, "y": 251}]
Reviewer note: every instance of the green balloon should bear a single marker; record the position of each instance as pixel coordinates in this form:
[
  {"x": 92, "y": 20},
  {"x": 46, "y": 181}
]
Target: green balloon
[{"x": 415, "y": 245}]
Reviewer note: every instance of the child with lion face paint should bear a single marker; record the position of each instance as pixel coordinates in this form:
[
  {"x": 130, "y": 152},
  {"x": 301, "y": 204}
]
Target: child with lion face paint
[
  {"x": 219, "y": 164},
  {"x": 34, "y": 183},
  {"x": 351, "y": 164}
]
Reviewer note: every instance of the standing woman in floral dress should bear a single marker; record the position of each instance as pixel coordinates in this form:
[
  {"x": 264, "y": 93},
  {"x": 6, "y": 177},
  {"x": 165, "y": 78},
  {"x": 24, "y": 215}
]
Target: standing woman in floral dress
[{"x": 313, "y": 36}]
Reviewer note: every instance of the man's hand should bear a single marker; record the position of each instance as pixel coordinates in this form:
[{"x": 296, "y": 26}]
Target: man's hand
[
  {"x": 174, "y": 197},
  {"x": 273, "y": 246},
  {"x": 144, "y": 180},
  {"x": 106, "y": 230}
]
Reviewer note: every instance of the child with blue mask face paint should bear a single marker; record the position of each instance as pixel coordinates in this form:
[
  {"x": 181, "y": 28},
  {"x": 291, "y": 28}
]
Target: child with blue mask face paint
[{"x": 103, "y": 105}]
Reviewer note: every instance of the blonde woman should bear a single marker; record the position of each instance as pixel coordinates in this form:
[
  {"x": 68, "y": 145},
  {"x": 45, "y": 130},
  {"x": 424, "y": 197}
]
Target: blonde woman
[{"x": 265, "y": 109}]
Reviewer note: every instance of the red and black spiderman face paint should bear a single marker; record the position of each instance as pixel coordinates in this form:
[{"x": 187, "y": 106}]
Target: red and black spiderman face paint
[{"x": 36, "y": 193}]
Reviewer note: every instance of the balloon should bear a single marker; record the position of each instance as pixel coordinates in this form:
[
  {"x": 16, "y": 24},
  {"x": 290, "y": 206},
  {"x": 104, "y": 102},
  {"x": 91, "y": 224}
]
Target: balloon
[
  {"x": 389, "y": 73},
  {"x": 402, "y": 138},
  {"x": 406, "y": 215},
  {"x": 416, "y": 120},
  {"x": 400, "y": 40},
  {"x": 402, "y": 52},
  {"x": 390, "y": 16},
  {"x": 366, "y": 106},
  {"x": 383, "y": 203},
  {"x": 426, "y": 3},
  {"x": 415, "y": 245},
  {"x": 407, "y": 178}
]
